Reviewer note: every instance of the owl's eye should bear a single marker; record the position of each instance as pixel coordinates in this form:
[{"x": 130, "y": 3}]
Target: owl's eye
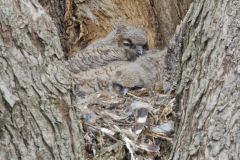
[
  {"x": 145, "y": 46},
  {"x": 127, "y": 42}
]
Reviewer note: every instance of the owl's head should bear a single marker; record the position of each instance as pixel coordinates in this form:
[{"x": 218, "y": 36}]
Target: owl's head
[{"x": 133, "y": 39}]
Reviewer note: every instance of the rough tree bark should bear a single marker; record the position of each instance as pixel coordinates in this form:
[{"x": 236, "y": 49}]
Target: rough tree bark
[
  {"x": 37, "y": 120},
  {"x": 208, "y": 47},
  {"x": 37, "y": 117}
]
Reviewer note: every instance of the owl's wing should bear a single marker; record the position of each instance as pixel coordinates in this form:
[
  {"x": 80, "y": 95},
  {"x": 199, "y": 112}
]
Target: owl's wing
[
  {"x": 94, "y": 80},
  {"x": 95, "y": 57}
]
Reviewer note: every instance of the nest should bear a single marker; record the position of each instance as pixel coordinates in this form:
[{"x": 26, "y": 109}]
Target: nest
[{"x": 138, "y": 125}]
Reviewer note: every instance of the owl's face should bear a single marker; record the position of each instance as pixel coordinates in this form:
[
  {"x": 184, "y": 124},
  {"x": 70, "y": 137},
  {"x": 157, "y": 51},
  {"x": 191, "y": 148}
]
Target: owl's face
[{"x": 133, "y": 39}]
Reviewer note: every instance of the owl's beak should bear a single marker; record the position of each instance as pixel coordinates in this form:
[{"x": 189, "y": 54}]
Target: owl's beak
[{"x": 139, "y": 50}]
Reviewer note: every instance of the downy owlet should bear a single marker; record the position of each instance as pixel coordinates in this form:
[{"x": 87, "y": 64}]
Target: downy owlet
[
  {"x": 125, "y": 43},
  {"x": 145, "y": 71}
]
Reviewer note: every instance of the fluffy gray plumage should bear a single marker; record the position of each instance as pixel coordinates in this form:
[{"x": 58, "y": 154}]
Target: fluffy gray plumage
[
  {"x": 145, "y": 71},
  {"x": 122, "y": 44},
  {"x": 142, "y": 73}
]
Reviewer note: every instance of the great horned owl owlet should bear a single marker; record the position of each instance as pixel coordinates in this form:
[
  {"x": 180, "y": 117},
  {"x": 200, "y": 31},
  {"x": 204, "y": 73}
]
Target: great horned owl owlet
[
  {"x": 122, "y": 44},
  {"x": 144, "y": 72}
]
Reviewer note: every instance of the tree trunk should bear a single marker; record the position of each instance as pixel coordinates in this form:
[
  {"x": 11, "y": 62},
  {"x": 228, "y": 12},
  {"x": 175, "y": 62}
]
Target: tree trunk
[
  {"x": 208, "y": 88},
  {"x": 37, "y": 117},
  {"x": 36, "y": 114}
]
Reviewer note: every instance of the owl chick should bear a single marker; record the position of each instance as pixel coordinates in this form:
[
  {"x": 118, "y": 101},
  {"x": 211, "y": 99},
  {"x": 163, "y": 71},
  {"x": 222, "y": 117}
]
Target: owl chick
[
  {"x": 122, "y": 75},
  {"x": 122, "y": 44},
  {"x": 142, "y": 73}
]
